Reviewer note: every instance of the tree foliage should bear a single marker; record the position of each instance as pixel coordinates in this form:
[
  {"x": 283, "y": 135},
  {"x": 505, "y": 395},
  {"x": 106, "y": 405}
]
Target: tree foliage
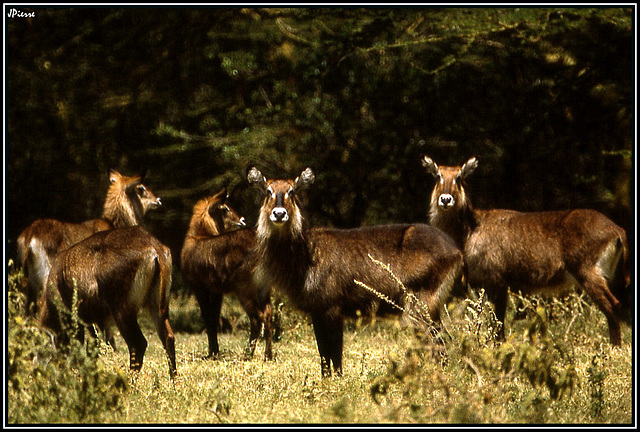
[{"x": 542, "y": 96}]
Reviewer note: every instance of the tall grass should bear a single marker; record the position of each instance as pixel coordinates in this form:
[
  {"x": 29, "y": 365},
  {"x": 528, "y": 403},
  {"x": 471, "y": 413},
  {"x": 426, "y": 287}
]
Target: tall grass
[
  {"x": 64, "y": 385},
  {"x": 556, "y": 367}
]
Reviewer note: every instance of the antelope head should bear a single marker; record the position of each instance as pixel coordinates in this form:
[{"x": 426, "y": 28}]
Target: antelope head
[
  {"x": 448, "y": 192},
  {"x": 280, "y": 209}
]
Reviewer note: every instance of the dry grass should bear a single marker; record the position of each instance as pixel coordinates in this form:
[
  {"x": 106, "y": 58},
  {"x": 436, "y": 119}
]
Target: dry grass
[{"x": 556, "y": 367}]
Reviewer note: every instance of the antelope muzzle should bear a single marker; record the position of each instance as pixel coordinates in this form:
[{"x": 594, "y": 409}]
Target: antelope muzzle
[{"x": 446, "y": 201}]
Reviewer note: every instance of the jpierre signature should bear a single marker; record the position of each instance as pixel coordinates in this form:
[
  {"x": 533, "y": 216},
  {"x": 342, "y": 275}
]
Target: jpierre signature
[{"x": 15, "y": 13}]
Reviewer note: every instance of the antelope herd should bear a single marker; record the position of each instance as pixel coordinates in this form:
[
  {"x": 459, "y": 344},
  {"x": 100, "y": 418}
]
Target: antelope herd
[{"x": 114, "y": 268}]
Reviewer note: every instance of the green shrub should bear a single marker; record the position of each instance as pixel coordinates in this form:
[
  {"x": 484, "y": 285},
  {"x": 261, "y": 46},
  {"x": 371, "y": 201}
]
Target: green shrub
[
  {"x": 49, "y": 385},
  {"x": 466, "y": 370}
]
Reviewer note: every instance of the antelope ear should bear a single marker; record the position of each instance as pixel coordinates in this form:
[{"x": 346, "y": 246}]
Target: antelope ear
[
  {"x": 306, "y": 178},
  {"x": 138, "y": 179},
  {"x": 431, "y": 167},
  {"x": 130, "y": 187},
  {"x": 469, "y": 167},
  {"x": 255, "y": 177},
  {"x": 113, "y": 175},
  {"x": 221, "y": 197}
]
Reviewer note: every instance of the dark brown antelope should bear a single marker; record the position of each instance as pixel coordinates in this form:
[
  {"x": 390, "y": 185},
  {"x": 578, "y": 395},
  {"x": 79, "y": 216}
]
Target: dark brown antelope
[
  {"x": 127, "y": 201},
  {"x": 318, "y": 267},
  {"x": 547, "y": 251},
  {"x": 115, "y": 274},
  {"x": 216, "y": 260}
]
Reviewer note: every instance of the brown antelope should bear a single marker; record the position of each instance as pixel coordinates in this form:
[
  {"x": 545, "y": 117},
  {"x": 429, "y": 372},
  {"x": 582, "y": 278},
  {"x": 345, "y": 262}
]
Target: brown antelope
[
  {"x": 115, "y": 273},
  {"x": 216, "y": 260},
  {"x": 318, "y": 267},
  {"x": 127, "y": 201},
  {"x": 531, "y": 251}
]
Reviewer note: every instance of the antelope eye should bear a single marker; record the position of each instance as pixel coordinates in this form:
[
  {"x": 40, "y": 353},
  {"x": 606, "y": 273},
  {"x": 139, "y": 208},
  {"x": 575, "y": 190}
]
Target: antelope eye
[{"x": 142, "y": 189}]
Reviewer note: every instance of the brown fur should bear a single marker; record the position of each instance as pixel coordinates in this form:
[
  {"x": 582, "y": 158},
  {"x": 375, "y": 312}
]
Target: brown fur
[
  {"x": 216, "y": 260},
  {"x": 127, "y": 201},
  {"x": 318, "y": 267},
  {"x": 531, "y": 251},
  {"x": 117, "y": 273}
]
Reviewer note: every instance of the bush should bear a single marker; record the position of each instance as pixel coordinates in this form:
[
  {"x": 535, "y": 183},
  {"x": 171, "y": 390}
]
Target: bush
[
  {"x": 49, "y": 385},
  {"x": 463, "y": 374}
]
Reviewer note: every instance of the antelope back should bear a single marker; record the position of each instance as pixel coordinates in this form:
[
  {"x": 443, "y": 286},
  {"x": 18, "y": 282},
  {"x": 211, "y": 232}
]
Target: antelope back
[
  {"x": 116, "y": 274},
  {"x": 128, "y": 200}
]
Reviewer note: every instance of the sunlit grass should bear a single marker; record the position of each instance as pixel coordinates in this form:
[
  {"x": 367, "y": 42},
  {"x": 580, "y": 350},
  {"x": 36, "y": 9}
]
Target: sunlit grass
[{"x": 391, "y": 375}]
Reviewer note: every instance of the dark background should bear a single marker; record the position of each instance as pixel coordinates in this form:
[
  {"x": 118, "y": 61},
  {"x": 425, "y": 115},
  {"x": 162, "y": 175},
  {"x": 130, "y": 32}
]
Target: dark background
[{"x": 543, "y": 97}]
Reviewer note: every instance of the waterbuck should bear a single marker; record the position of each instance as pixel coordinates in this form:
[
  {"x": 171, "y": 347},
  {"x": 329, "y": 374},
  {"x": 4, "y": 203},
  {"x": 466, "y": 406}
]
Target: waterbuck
[
  {"x": 216, "y": 260},
  {"x": 127, "y": 201},
  {"x": 115, "y": 274},
  {"x": 547, "y": 251},
  {"x": 318, "y": 267}
]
